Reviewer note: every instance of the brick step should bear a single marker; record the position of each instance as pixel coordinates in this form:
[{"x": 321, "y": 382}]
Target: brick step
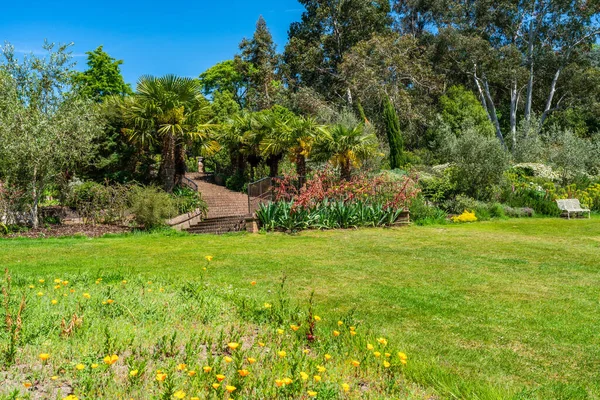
[{"x": 219, "y": 225}]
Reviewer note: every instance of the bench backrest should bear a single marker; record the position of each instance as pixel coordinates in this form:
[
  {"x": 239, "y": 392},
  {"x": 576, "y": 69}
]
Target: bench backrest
[{"x": 568, "y": 204}]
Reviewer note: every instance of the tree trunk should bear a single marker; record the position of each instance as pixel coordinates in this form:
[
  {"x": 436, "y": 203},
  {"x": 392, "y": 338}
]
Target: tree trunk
[
  {"x": 514, "y": 102},
  {"x": 528, "y": 101},
  {"x": 300, "y": 165},
  {"x": 35, "y": 193},
  {"x": 550, "y": 96},
  {"x": 273, "y": 162},
  {"x": 167, "y": 167},
  {"x": 346, "y": 170},
  {"x": 493, "y": 114},
  {"x": 180, "y": 165}
]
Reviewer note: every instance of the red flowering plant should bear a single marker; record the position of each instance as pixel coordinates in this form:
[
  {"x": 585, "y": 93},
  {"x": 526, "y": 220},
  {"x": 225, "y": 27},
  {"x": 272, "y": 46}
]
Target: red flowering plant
[{"x": 325, "y": 185}]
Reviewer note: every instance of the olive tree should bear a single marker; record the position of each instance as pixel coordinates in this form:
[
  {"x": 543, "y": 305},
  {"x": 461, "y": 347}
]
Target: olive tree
[{"x": 46, "y": 128}]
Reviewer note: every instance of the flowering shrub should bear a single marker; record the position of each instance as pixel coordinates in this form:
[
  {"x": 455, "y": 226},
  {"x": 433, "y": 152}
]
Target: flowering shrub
[
  {"x": 326, "y": 202},
  {"x": 112, "y": 336},
  {"x": 466, "y": 216}
]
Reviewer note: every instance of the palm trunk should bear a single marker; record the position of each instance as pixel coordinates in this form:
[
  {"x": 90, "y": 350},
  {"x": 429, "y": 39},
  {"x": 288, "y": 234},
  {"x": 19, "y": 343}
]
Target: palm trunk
[
  {"x": 273, "y": 162},
  {"x": 346, "y": 170},
  {"x": 180, "y": 166},
  {"x": 300, "y": 165},
  {"x": 167, "y": 167}
]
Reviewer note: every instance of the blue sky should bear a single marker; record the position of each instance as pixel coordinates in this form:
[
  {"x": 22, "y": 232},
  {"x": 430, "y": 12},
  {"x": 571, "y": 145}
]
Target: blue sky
[{"x": 183, "y": 37}]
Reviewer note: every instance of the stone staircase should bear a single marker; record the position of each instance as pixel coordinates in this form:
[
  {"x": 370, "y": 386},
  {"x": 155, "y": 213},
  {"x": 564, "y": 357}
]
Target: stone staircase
[{"x": 227, "y": 210}]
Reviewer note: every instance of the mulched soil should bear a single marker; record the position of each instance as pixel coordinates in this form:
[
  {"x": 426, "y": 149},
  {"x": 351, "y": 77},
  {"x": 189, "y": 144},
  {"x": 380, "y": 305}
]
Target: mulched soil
[{"x": 54, "y": 231}]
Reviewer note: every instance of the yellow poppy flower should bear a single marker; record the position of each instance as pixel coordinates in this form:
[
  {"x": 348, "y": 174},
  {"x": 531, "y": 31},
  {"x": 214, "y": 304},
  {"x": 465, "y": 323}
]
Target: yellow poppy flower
[
  {"x": 280, "y": 331},
  {"x": 133, "y": 373},
  {"x": 180, "y": 394},
  {"x": 54, "y": 377},
  {"x": 191, "y": 373},
  {"x": 80, "y": 367},
  {"x": 382, "y": 341},
  {"x": 261, "y": 344},
  {"x": 279, "y": 383},
  {"x": 306, "y": 351},
  {"x": 54, "y": 301},
  {"x": 386, "y": 364},
  {"x": 317, "y": 318},
  {"x": 207, "y": 369},
  {"x": 321, "y": 368},
  {"x": 376, "y": 354},
  {"x": 94, "y": 366},
  {"x": 327, "y": 357},
  {"x": 317, "y": 378},
  {"x": 87, "y": 295},
  {"x": 110, "y": 360},
  {"x": 346, "y": 387},
  {"x": 294, "y": 327},
  {"x": 230, "y": 388},
  {"x": 215, "y": 386},
  {"x": 336, "y": 333},
  {"x": 253, "y": 283},
  {"x": 27, "y": 385},
  {"x": 243, "y": 372},
  {"x": 161, "y": 376},
  {"x": 181, "y": 367},
  {"x": 370, "y": 346},
  {"x": 251, "y": 360},
  {"x": 312, "y": 393},
  {"x": 220, "y": 378},
  {"x": 287, "y": 381},
  {"x": 304, "y": 376},
  {"x": 227, "y": 359},
  {"x": 208, "y": 258},
  {"x": 233, "y": 345},
  {"x": 340, "y": 323},
  {"x": 40, "y": 294},
  {"x": 356, "y": 363},
  {"x": 44, "y": 356},
  {"x": 267, "y": 305},
  {"x": 41, "y": 280},
  {"x": 281, "y": 354}
]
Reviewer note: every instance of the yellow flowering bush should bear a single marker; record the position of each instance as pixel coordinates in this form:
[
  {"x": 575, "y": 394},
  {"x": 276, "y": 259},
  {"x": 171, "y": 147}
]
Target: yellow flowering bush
[
  {"x": 192, "y": 340},
  {"x": 466, "y": 216}
]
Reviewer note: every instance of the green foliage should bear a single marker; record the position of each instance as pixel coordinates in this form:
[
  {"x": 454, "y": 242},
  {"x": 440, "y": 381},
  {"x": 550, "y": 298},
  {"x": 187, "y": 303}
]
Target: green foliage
[
  {"x": 395, "y": 140},
  {"x": 286, "y": 216},
  {"x": 346, "y": 144},
  {"x": 45, "y": 127},
  {"x": 479, "y": 164},
  {"x": 98, "y": 203},
  {"x": 461, "y": 110},
  {"x": 422, "y": 213},
  {"x": 259, "y": 63},
  {"x": 188, "y": 200},
  {"x": 103, "y": 77},
  {"x": 225, "y": 77},
  {"x": 151, "y": 206}
]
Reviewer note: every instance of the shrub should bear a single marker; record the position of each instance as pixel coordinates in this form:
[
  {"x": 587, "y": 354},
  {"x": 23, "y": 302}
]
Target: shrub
[
  {"x": 151, "y": 206},
  {"x": 422, "y": 213},
  {"x": 480, "y": 164},
  {"x": 466, "y": 216},
  {"x": 188, "y": 200},
  {"x": 97, "y": 203}
]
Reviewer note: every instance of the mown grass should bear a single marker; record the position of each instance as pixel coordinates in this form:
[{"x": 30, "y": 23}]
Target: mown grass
[{"x": 502, "y": 309}]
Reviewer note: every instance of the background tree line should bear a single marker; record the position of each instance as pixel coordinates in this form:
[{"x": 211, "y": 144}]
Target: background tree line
[{"x": 360, "y": 83}]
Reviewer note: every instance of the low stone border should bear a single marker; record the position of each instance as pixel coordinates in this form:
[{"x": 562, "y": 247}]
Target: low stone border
[{"x": 185, "y": 221}]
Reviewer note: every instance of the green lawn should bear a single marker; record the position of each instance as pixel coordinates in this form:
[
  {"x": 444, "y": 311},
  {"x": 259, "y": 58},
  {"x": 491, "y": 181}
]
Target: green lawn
[{"x": 503, "y": 309}]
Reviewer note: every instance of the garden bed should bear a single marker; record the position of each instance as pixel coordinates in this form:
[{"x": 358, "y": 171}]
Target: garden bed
[{"x": 68, "y": 230}]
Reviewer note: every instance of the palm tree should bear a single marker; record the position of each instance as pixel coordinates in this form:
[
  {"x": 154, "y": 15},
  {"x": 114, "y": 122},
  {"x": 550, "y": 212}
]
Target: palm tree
[
  {"x": 296, "y": 136},
  {"x": 346, "y": 146},
  {"x": 170, "y": 110}
]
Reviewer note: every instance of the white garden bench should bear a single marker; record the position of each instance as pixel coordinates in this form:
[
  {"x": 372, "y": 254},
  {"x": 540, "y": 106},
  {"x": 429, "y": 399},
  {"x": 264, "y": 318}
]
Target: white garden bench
[{"x": 572, "y": 206}]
